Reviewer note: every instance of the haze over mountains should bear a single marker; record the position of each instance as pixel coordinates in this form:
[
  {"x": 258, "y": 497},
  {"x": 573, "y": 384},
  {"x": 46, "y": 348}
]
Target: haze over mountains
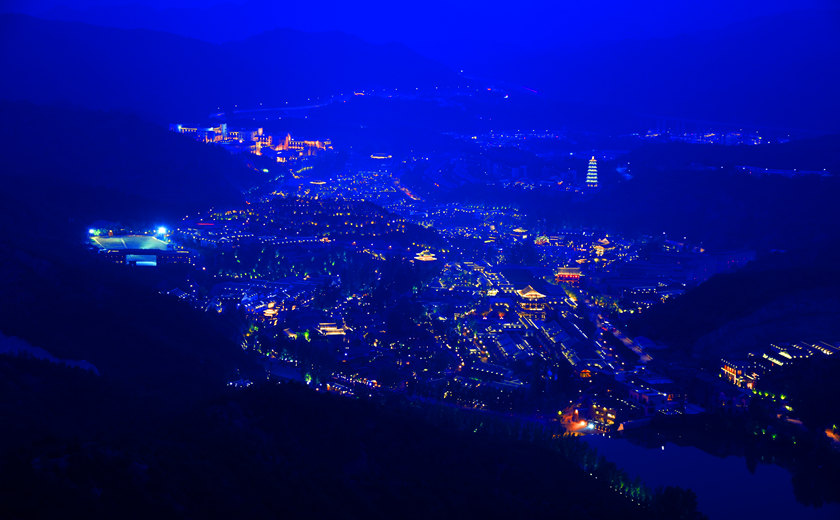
[
  {"x": 775, "y": 71},
  {"x": 531, "y": 24},
  {"x": 164, "y": 76},
  {"x": 731, "y": 70}
]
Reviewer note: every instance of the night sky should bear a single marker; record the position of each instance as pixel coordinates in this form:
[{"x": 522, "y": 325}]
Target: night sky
[{"x": 422, "y": 23}]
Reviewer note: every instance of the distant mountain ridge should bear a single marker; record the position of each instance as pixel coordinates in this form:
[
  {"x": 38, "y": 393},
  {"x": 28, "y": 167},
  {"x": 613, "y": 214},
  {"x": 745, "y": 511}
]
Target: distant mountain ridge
[
  {"x": 778, "y": 71},
  {"x": 163, "y": 76}
]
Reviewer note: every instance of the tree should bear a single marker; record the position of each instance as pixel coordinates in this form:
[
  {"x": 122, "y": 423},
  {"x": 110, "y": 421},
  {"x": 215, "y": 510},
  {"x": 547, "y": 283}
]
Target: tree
[{"x": 674, "y": 503}]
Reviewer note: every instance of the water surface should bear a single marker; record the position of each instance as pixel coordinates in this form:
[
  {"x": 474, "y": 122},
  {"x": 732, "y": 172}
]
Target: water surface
[{"x": 724, "y": 486}]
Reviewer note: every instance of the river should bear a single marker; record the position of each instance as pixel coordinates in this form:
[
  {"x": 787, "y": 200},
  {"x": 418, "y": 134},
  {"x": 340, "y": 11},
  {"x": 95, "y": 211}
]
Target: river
[{"x": 724, "y": 486}]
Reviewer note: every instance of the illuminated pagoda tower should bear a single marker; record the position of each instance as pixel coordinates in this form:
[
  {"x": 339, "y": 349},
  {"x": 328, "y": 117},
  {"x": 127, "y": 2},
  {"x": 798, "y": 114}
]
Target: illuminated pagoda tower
[{"x": 592, "y": 174}]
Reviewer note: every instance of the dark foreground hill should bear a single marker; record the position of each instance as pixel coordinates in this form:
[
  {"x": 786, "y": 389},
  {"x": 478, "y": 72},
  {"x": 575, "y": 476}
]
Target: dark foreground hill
[
  {"x": 154, "y": 432},
  {"x": 267, "y": 452}
]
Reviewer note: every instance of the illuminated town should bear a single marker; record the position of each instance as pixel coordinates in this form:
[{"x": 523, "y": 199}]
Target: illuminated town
[
  {"x": 494, "y": 315},
  {"x": 369, "y": 274}
]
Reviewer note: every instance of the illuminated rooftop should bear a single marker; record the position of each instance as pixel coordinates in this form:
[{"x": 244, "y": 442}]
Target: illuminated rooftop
[
  {"x": 130, "y": 242},
  {"x": 425, "y": 256},
  {"x": 530, "y": 293}
]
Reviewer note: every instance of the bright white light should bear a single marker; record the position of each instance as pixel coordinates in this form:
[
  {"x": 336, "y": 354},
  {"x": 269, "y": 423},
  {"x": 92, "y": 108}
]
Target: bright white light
[
  {"x": 91, "y": 231},
  {"x": 161, "y": 230}
]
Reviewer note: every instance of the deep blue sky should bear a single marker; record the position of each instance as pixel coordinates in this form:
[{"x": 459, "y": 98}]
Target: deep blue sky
[{"x": 423, "y": 23}]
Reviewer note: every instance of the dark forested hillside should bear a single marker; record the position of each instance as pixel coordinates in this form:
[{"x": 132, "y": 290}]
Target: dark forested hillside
[
  {"x": 781, "y": 297},
  {"x": 63, "y": 168},
  {"x": 720, "y": 208},
  {"x": 273, "y": 451}
]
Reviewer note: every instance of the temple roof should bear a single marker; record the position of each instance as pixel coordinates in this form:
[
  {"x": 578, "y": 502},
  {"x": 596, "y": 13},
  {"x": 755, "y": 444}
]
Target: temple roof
[{"x": 530, "y": 293}]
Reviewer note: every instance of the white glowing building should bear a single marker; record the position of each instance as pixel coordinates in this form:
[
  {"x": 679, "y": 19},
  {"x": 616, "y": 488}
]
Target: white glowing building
[{"x": 592, "y": 174}]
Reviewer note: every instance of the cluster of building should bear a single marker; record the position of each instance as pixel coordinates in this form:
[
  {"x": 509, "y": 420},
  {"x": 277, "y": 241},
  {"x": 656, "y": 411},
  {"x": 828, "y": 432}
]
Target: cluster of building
[
  {"x": 709, "y": 136},
  {"x": 368, "y": 178},
  {"x": 506, "y": 327},
  {"x": 145, "y": 249},
  {"x": 746, "y": 372},
  {"x": 512, "y": 304},
  {"x": 291, "y": 222},
  {"x": 263, "y": 301},
  {"x": 282, "y": 148},
  {"x": 511, "y": 330},
  {"x": 630, "y": 400},
  {"x": 662, "y": 274},
  {"x": 544, "y": 161}
]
